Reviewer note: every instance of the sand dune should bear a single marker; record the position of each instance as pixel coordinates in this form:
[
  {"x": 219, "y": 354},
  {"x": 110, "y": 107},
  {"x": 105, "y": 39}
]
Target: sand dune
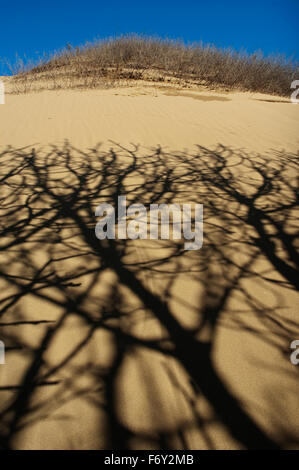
[
  {"x": 142, "y": 344},
  {"x": 150, "y": 116}
]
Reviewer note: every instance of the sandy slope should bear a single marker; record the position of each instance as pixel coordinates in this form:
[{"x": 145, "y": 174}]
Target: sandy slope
[
  {"x": 150, "y": 116},
  {"x": 154, "y": 402}
]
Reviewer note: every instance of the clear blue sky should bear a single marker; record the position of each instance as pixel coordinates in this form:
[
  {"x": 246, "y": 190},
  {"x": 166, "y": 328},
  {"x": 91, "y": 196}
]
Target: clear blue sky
[{"x": 32, "y": 27}]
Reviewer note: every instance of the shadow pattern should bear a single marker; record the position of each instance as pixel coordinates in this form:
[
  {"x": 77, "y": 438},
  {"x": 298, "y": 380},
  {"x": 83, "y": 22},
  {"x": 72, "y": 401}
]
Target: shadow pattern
[{"x": 54, "y": 271}]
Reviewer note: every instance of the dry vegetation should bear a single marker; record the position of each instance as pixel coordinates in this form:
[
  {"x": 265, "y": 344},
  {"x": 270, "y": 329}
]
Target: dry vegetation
[{"x": 125, "y": 60}]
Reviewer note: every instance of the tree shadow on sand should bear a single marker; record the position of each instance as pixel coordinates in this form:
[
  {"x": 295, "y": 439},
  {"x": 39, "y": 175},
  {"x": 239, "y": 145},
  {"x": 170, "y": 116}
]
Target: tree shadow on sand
[{"x": 144, "y": 301}]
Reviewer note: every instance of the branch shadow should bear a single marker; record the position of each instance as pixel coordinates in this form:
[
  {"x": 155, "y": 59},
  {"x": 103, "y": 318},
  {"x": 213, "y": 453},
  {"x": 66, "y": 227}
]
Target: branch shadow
[{"x": 131, "y": 327}]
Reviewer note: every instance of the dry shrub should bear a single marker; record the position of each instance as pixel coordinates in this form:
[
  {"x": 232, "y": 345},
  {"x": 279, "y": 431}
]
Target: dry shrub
[{"x": 123, "y": 60}]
